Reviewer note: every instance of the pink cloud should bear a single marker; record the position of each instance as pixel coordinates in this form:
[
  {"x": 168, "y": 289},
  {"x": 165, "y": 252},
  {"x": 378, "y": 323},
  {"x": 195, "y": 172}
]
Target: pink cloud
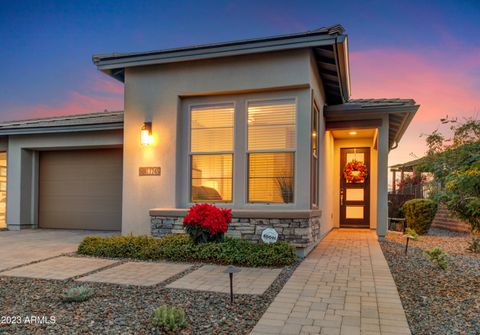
[
  {"x": 101, "y": 83},
  {"x": 440, "y": 87},
  {"x": 75, "y": 103},
  {"x": 99, "y": 94}
]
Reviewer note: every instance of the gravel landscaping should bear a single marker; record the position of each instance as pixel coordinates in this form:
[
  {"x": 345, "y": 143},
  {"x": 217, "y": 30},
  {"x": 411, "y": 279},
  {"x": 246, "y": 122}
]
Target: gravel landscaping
[
  {"x": 116, "y": 309},
  {"x": 436, "y": 301}
]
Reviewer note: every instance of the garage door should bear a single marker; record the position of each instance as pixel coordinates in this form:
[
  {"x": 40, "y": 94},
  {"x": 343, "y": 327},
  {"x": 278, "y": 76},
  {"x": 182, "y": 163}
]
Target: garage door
[{"x": 80, "y": 189}]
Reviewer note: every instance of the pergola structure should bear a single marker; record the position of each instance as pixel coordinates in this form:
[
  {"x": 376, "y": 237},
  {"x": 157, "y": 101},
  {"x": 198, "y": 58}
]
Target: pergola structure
[{"x": 402, "y": 168}]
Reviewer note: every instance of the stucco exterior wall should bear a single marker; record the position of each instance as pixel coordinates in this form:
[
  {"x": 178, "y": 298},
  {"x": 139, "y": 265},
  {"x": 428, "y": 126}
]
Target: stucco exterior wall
[
  {"x": 154, "y": 94},
  {"x": 382, "y": 180},
  {"x": 327, "y": 178},
  {"x": 325, "y": 201},
  {"x": 22, "y": 170}
]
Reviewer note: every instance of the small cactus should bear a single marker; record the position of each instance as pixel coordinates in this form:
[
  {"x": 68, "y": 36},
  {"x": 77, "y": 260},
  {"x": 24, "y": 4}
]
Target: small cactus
[
  {"x": 77, "y": 294},
  {"x": 169, "y": 318}
]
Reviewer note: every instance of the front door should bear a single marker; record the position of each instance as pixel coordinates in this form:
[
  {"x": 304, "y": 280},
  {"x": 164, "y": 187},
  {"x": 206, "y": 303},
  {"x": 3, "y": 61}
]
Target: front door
[{"x": 355, "y": 188}]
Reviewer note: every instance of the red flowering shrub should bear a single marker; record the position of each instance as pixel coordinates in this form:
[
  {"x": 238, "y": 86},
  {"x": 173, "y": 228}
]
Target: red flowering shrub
[{"x": 207, "y": 223}]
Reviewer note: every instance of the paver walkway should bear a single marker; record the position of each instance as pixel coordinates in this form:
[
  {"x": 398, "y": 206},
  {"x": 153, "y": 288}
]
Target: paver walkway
[
  {"x": 59, "y": 268},
  {"x": 343, "y": 287},
  {"x": 137, "y": 273},
  {"x": 213, "y": 278}
]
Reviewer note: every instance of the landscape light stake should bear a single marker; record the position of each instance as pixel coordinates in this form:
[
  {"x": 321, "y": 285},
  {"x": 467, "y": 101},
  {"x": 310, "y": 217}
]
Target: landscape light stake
[
  {"x": 231, "y": 287},
  {"x": 406, "y": 244},
  {"x": 231, "y": 270}
]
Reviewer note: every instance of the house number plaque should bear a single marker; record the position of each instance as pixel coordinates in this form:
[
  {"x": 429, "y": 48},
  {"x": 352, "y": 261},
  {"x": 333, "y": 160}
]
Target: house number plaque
[{"x": 150, "y": 171}]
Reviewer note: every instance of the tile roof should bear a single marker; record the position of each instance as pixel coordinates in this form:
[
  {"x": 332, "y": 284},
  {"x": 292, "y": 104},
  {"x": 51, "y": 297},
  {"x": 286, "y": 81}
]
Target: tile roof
[
  {"x": 98, "y": 118},
  {"x": 384, "y": 102}
]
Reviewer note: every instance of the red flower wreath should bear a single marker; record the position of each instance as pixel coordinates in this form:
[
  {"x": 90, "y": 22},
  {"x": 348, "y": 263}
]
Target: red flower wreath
[{"x": 355, "y": 172}]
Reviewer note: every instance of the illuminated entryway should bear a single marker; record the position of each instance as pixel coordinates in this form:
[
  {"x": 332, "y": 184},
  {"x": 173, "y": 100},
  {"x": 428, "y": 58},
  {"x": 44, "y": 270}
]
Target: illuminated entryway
[{"x": 355, "y": 177}]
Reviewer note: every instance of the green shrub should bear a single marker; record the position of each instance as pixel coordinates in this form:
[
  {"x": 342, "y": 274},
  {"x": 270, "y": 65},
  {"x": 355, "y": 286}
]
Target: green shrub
[
  {"x": 169, "y": 319},
  {"x": 419, "y": 214},
  {"x": 438, "y": 256},
  {"x": 181, "y": 248},
  {"x": 77, "y": 294}
]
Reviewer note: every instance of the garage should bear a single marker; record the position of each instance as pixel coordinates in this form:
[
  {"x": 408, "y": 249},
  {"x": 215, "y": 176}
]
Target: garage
[{"x": 80, "y": 189}]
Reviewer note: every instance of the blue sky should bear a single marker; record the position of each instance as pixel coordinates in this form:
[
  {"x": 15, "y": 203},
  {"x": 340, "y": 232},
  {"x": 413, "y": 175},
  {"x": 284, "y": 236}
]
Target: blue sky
[{"x": 426, "y": 50}]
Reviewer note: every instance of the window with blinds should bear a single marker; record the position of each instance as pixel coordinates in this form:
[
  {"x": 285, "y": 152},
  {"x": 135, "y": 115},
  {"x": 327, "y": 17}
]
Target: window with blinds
[
  {"x": 211, "y": 153},
  {"x": 271, "y": 150}
]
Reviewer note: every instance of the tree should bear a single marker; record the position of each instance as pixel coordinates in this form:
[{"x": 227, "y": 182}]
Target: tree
[{"x": 455, "y": 164}]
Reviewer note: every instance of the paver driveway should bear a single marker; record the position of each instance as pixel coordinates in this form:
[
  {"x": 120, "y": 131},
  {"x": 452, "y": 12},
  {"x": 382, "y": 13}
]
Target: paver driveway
[
  {"x": 343, "y": 287},
  {"x": 26, "y": 246}
]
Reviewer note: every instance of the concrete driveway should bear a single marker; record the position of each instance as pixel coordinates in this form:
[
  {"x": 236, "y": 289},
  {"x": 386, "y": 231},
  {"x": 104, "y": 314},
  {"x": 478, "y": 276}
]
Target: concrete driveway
[{"x": 26, "y": 246}]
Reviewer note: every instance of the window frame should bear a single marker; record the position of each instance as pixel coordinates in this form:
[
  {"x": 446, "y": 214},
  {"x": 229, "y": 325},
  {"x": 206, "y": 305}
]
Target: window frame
[
  {"x": 248, "y": 152},
  {"x": 315, "y": 157},
  {"x": 190, "y": 153}
]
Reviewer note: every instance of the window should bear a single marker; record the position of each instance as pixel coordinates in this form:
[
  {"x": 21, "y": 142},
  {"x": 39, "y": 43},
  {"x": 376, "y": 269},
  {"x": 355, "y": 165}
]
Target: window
[
  {"x": 211, "y": 153},
  {"x": 315, "y": 172},
  {"x": 271, "y": 150}
]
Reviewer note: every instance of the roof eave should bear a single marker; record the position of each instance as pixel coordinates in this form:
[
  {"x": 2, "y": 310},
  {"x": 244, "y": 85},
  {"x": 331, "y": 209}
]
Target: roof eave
[
  {"x": 61, "y": 129},
  {"x": 332, "y": 41},
  {"x": 406, "y": 122},
  {"x": 344, "y": 66},
  {"x": 342, "y": 112},
  {"x": 109, "y": 65}
]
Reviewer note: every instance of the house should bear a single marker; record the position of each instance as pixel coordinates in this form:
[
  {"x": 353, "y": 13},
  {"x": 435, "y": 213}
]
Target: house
[{"x": 264, "y": 126}]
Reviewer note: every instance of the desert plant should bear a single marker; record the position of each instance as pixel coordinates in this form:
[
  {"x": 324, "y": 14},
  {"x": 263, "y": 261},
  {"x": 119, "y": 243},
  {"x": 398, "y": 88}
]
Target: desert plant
[
  {"x": 77, "y": 293},
  {"x": 474, "y": 244},
  {"x": 207, "y": 223},
  {"x": 169, "y": 318},
  {"x": 286, "y": 188},
  {"x": 438, "y": 256},
  {"x": 413, "y": 234},
  {"x": 419, "y": 214}
]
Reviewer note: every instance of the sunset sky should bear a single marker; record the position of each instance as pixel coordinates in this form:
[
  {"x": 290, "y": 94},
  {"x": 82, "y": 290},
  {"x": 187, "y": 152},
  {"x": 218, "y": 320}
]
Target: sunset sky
[{"x": 429, "y": 52}]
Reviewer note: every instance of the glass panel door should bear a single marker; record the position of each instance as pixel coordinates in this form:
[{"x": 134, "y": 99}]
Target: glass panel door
[{"x": 355, "y": 187}]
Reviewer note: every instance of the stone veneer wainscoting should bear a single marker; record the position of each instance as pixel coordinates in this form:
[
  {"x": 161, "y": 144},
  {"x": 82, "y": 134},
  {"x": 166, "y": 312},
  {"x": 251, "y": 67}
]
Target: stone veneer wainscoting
[{"x": 303, "y": 233}]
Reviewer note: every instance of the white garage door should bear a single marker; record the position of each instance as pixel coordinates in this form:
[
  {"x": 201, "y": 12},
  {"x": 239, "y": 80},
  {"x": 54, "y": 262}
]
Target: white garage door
[{"x": 80, "y": 189}]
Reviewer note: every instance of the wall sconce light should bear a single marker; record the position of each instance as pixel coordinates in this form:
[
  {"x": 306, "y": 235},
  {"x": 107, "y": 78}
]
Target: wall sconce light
[
  {"x": 146, "y": 134},
  {"x": 352, "y": 133}
]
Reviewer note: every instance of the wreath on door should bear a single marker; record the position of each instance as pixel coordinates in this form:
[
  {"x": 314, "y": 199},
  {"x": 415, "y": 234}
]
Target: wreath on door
[{"x": 355, "y": 172}]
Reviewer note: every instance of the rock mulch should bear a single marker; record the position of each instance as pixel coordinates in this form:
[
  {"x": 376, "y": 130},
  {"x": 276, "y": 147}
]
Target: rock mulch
[
  {"x": 436, "y": 301},
  {"x": 118, "y": 309},
  {"x": 454, "y": 243}
]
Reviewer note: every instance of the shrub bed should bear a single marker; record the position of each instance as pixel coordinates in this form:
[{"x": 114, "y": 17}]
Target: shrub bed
[
  {"x": 181, "y": 248},
  {"x": 419, "y": 214}
]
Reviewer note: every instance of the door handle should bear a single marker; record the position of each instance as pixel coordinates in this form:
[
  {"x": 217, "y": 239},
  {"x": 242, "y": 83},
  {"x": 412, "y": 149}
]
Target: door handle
[{"x": 341, "y": 197}]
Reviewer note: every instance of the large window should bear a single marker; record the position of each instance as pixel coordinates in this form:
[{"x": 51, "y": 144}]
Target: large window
[
  {"x": 271, "y": 150},
  {"x": 211, "y": 153}
]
